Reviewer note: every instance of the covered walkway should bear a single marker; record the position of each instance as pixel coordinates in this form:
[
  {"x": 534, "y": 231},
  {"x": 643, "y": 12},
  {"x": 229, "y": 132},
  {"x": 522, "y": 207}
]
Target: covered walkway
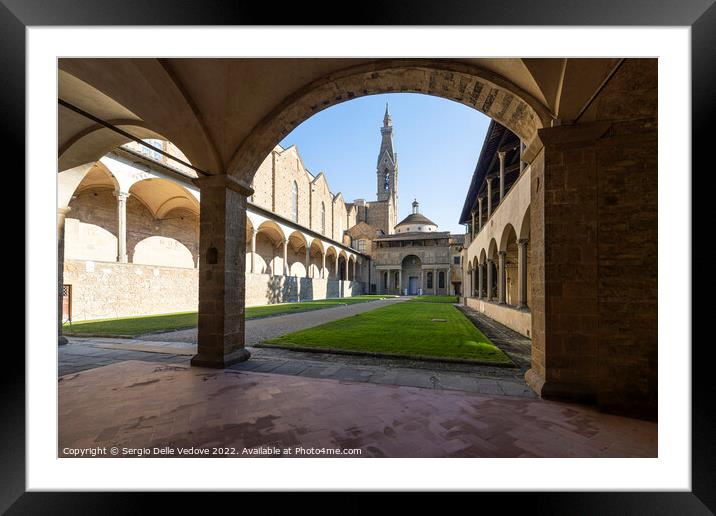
[{"x": 140, "y": 404}]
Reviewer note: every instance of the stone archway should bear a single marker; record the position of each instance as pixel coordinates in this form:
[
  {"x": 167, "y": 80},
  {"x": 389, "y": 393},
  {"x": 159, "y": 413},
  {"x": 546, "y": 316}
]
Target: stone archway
[
  {"x": 472, "y": 86},
  {"x": 412, "y": 275}
]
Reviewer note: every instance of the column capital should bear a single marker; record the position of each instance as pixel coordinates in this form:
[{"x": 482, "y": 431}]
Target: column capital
[
  {"x": 523, "y": 241},
  {"x": 224, "y": 181},
  {"x": 63, "y": 211},
  {"x": 501, "y": 154},
  {"x": 121, "y": 196},
  {"x": 502, "y": 253}
]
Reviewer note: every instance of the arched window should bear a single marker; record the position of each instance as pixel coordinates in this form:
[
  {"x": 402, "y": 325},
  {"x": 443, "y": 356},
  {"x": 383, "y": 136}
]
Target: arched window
[
  {"x": 323, "y": 218},
  {"x": 430, "y": 280},
  {"x": 441, "y": 279},
  {"x": 386, "y": 184},
  {"x": 294, "y": 201}
]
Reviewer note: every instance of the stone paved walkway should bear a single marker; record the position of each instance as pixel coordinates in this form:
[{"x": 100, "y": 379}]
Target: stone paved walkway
[
  {"x": 259, "y": 330},
  {"x": 142, "y": 404},
  {"x": 178, "y": 347}
]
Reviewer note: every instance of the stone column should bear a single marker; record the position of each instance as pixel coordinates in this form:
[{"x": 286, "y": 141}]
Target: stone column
[
  {"x": 221, "y": 272},
  {"x": 501, "y": 155},
  {"x": 489, "y": 197},
  {"x": 61, "y": 214},
  {"x": 285, "y": 257},
  {"x": 354, "y": 270},
  {"x": 472, "y": 226},
  {"x": 253, "y": 250},
  {"x": 489, "y": 280},
  {"x": 435, "y": 281},
  {"x": 479, "y": 214},
  {"x": 400, "y": 281},
  {"x": 480, "y": 281},
  {"x": 121, "y": 225},
  {"x": 522, "y": 273},
  {"x": 345, "y": 270},
  {"x": 501, "y": 277},
  {"x": 336, "y": 269},
  {"x": 308, "y": 261},
  {"x": 323, "y": 265}
]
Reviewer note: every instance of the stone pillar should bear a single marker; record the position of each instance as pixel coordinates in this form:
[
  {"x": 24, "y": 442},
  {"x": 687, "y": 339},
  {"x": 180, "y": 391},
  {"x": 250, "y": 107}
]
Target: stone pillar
[
  {"x": 472, "y": 226},
  {"x": 323, "y": 265},
  {"x": 354, "y": 270},
  {"x": 400, "y": 281},
  {"x": 345, "y": 270},
  {"x": 61, "y": 214},
  {"x": 285, "y": 257},
  {"x": 221, "y": 272},
  {"x": 501, "y": 277},
  {"x": 522, "y": 273},
  {"x": 308, "y": 261},
  {"x": 336, "y": 269},
  {"x": 489, "y": 197},
  {"x": 501, "y": 155},
  {"x": 489, "y": 280},
  {"x": 479, "y": 214},
  {"x": 480, "y": 281},
  {"x": 435, "y": 280},
  {"x": 253, "y": 250},
  {"x": 121, "y": 225}
]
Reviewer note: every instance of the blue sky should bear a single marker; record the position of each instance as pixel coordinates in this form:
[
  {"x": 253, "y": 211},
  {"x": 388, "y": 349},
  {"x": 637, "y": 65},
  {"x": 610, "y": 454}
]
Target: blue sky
[{"x": 437, "y": 141}]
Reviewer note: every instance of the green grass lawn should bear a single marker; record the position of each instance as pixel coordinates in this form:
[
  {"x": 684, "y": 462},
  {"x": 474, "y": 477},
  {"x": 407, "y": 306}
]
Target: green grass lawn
[
  {"x": 183, "y": 320},
  {"x": 405, "y": 328},
  {"x": 133, "y": 325},
  {"x": 436, "y": 299}
]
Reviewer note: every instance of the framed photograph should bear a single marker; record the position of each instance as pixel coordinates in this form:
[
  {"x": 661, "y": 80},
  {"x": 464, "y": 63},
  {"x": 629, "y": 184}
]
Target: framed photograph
[{"x": 438, "y": 249}]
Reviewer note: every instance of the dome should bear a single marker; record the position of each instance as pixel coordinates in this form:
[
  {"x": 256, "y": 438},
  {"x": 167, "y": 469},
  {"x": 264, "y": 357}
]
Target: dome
[{"x": 416, "y": 222}]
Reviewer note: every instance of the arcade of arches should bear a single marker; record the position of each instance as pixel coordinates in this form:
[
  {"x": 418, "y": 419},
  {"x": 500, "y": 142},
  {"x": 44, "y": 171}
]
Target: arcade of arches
[{"x": 579, "y": 257}]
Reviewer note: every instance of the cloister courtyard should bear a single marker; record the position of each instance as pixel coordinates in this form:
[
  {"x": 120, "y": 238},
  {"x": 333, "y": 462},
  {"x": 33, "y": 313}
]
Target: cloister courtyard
[{"x": 217, "y": 290}]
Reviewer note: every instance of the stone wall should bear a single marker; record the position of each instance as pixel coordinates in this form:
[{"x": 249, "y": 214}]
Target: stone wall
[
  {"x": 262, "y": 289},
  {"x": 595, "y": 284},
  {"x": 517, "y": 320},
  {"x": 109, "y": 289}
]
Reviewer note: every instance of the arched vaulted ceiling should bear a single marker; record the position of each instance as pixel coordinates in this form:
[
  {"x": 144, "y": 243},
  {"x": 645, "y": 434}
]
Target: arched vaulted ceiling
[{"x": 225, "y": 112}]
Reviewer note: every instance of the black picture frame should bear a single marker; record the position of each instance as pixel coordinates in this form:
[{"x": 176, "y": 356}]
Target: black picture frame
[{"x": 700, "y": 15}]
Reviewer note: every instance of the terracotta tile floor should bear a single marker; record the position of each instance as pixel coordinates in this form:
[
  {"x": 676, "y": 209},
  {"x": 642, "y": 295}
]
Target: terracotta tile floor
[{"x": 141, "y": 404}]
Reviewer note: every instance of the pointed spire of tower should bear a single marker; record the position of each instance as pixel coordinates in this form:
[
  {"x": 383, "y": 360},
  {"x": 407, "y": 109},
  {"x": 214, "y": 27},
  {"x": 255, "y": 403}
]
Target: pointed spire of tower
[
  {"x": 416, "y": 206},
  {"x": 387, "y": 171},
  {"x": 387, "y": 120}
]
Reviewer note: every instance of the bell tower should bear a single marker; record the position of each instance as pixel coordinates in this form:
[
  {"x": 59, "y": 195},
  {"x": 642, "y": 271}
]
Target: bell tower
[{"x": 387, "y": 167}]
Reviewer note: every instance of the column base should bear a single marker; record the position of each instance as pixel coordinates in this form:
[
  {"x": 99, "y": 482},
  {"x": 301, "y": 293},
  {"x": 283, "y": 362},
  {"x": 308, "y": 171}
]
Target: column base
[
  {"x": 558, "y": 391},
  {"x": 62, "y": 340},
  {"x": 221, "y": 361}
]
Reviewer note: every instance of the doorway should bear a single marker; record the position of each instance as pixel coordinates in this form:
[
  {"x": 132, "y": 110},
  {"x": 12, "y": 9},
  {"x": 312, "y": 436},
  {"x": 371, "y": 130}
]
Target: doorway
[{"x": 413, "y": 286}]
